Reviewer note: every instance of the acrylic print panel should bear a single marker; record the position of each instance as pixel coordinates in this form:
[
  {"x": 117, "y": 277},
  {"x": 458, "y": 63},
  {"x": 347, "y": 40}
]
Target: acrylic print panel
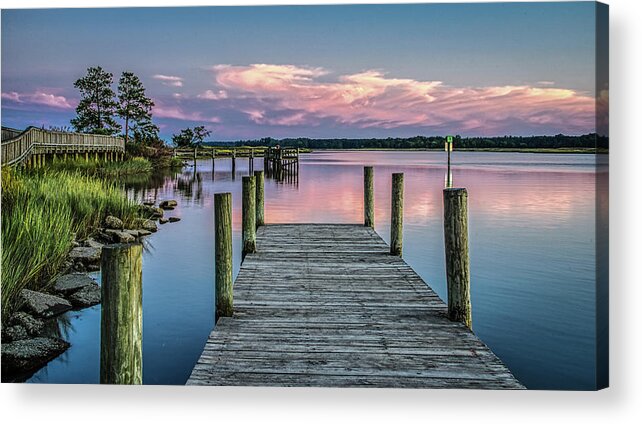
[{"x": 403, "y": 195}]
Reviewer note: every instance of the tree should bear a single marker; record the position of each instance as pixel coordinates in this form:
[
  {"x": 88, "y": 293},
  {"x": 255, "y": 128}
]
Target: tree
[
  {"x": 199, "y": 135},
  {"x": 133, "y": 106},
  {"x": 190, "y": 137},
  {"x": 97, "y": 106},
  {"x": 184, "y": 138},
  {"x": 145, "y": 132}
]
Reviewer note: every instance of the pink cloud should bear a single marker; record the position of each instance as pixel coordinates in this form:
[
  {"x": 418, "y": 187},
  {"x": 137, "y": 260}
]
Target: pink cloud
[
  {"x": 38, "y": 98},
  {"x": 175, "y": 112},
  {"x": 298, "y": 96},
  {"x": 171, "y": 80}
]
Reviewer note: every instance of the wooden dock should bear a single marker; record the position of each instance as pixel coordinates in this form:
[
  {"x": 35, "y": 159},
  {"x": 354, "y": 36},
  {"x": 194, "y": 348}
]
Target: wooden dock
[{"x": 327, "y": 305}]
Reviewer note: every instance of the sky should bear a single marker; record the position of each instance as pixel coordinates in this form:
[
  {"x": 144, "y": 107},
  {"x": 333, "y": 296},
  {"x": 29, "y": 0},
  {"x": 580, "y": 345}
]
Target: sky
[{"x": 316, "y": 71}]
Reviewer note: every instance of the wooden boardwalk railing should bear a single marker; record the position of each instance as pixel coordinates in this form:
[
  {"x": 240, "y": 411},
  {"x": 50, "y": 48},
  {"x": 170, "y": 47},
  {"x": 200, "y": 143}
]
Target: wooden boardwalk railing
[{"x": 20, "y": 148}]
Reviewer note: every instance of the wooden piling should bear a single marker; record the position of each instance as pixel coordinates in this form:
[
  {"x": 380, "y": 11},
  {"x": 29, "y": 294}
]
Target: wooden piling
[
  {"x": 223, "y": 255},
  {"x": 457, "y": 260},
  {"x": 249, "y": 215},
  {"x": 121, "y": 325},
  {"x": 260, "y": 198},
  {"x": 368, "y": 196},
  {"x": 396, "y": 217}
]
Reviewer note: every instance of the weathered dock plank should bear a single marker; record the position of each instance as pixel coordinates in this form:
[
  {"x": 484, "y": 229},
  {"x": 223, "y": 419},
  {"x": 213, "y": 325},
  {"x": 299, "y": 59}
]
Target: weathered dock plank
[{"x": 327, "y": 305}]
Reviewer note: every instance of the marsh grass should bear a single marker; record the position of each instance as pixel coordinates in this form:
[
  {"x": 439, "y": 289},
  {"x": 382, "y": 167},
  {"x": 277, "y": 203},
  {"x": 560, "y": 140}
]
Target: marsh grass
[
  {"x": 41, "y": 212},
  {"x": 136, "y": 165}
]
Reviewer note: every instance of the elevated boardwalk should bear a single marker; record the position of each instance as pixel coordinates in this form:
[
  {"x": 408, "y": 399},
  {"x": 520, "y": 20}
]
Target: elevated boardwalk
[
  {"x": 327, "y": 305},
  {"x": 33, "y": 144}
]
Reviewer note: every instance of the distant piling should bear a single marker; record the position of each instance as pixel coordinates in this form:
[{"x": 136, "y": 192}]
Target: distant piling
[
  {"x": 457, "y": 258},
  {"x": 368, "y": 196},
  {"x": 396, "y": 217},
  {"x": 223, "y": 255},
  {"x": 259, "y": 176},
  {"x": 249, "y": 215},
  {"x": 121, "y": 324}
]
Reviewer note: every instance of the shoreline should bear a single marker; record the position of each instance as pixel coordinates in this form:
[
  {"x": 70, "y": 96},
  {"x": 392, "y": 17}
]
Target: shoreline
[
  {"x": 31, "y": 334},
  {"x": 563, "y": 150}
]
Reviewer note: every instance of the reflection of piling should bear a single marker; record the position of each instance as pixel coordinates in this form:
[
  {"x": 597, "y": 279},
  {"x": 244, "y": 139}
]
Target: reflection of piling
[
  {"x": 260, "y": 198},
  {"x": 396, "y": 217},
  {"x": 223, "y": 255},
  {"x": 233, "y": 161},
  {"x": 448, "y": 180},
  {"x": 249, "y": 215},
  {"x": 121, "y": 322},
  {"x": 250, "y": 164},
  {"x": 368, "y": 196},
  {"x": 457, "y": 259}
]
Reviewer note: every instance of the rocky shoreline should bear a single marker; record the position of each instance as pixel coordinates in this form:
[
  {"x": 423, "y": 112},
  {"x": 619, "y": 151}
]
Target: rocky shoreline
[{"x": 25, "y": 345}]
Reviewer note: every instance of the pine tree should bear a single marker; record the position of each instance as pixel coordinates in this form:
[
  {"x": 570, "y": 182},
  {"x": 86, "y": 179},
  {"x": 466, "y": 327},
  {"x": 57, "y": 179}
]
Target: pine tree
[
  {"x": 133, "y": 106},
  {"x": 97, "y": 106}
]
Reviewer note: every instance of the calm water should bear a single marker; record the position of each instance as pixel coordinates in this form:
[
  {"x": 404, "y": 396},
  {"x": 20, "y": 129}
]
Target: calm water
[{"x": 532, "y": 220}]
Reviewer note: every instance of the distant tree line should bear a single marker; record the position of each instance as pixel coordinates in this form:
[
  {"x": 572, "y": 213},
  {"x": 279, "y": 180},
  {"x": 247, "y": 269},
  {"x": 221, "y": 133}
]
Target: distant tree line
[{"x": 432, "y": 142}]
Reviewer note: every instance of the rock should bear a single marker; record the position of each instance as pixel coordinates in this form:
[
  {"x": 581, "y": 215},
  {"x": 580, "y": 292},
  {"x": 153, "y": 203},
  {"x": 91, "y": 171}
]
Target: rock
[
  {"x": 32, "y": 325},
  {"x": 149, "y": 225},
  {"x": 150, "y": 211},
  {"x": 84, "y": 254},
  {"x": 66, "y": 266},
  {"x": 44, "y": 305},
  {"x": 148, "y": 203},
  {"x": 167, "y": 204},
  {"x": 93, "y": 267},
  {"x": 133, "y": 233},
  {"x": 70, "y": 283},
  {"x": 74, "y": 243},
  {"x": 87, "y": 296},
  {"x": 146, "y": 224},
  {"x": 143, "y": 233},
  {"x": 25, "y": 355},
  {"x": 79, "y": 267},
  {"x": 120, "y": 236},
  {"x": 13, "y": 333},
  {"x": 163, "y": 220},
  {"x": 113, "y": 223},
  {"x": 90, "y": 242},
  {"x": 174, "y": 219}
]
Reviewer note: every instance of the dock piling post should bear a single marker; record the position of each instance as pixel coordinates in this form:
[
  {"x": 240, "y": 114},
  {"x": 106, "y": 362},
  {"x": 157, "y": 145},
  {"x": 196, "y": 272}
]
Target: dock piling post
[
  {"x": 249, "y": 215},
  {"x": 121, "y": 323},
  {"x": 457, "y": 259},
  {"x": 259, "y": 176},
  {"x": 396, "y": 217},
  {"x": 223, "y": 255},
  {"x": 368, "y": 196}
]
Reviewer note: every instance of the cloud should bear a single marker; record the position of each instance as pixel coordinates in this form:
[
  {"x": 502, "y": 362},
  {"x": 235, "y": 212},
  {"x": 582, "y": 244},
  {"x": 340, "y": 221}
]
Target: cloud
[
  {"x": 176, "y": 112},
  {"x": 169, "y": 80},
  {"x": 211, "y": 95},
  {"x": 288, "y": 95},
  {"x": 38, "y": 98}
]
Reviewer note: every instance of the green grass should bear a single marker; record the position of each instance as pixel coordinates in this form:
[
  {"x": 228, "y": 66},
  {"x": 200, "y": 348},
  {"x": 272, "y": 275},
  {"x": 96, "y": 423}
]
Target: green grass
[
  {"x": 41, "y": 212},
  {"x": 136, "y": 165}
]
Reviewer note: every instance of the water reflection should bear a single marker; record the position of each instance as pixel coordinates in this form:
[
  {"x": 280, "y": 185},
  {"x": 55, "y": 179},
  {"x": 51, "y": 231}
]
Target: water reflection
[{"x": 532, "y": 220}]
